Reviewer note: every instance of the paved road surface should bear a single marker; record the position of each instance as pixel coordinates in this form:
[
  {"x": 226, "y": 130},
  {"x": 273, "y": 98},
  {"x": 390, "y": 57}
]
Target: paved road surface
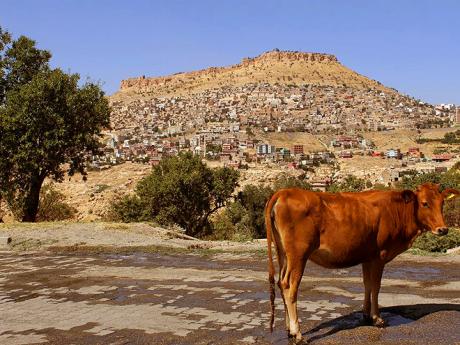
[{"x": 218, "y": 299}]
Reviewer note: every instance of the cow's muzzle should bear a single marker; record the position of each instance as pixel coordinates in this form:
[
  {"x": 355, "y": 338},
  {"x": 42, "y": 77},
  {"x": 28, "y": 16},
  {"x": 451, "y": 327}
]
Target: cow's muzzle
[{"x": 441, "y": 231}]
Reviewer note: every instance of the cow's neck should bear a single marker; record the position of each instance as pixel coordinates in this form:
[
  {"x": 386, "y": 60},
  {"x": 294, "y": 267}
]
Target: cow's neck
[
  {"x": 406, "y": 231},
  {"x": 410, "y": 229}
]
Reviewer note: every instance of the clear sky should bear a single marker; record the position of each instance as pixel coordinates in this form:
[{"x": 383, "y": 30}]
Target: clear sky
[{"x": 413, "y": 46}]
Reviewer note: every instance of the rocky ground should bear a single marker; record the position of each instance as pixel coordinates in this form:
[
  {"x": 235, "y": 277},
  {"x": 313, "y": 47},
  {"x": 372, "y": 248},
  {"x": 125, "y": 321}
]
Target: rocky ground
[{"x": 99, "y": 283}]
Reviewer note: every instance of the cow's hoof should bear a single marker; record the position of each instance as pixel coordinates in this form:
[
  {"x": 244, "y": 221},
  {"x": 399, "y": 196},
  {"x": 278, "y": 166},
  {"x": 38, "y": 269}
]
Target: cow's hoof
[
  {"x": 367, "y": 320},
  {"x": 295, "y": 338},
  {"x": 379, "y": 322},
  {"x": 298, "y": 337}
]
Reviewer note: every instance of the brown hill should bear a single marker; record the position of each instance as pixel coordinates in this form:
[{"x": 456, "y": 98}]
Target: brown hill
[{"x": 272, "y": 67}]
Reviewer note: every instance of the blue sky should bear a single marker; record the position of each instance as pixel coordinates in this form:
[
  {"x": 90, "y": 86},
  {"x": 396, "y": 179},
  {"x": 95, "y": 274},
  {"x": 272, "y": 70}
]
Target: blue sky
[{"x": 413, "y": 46}]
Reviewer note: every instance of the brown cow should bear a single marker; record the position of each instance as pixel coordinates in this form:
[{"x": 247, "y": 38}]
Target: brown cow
[{"x": 343, "y": 230}]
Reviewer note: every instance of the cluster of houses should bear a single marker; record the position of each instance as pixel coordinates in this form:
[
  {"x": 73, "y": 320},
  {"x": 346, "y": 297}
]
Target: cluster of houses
[
  {"x": 218, "y": 124},
  {"x": 276, "y": 107},
  {"x": 231, "y": 149},
  {"x": 238, "y": 149}
]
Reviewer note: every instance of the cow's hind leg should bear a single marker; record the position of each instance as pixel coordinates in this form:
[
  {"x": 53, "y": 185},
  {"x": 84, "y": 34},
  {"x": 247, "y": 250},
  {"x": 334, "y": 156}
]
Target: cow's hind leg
[
  {"x": 282, "y": 273},
  {"x": 290, "y": 285}
]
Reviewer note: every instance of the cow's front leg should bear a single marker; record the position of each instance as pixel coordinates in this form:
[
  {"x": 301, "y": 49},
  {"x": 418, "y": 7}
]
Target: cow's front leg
[{"x": 376, "y": 278}]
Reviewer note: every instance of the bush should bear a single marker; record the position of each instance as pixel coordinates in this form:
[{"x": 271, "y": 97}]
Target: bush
[
  {"x": 286, "y": 181},
  {"x": 244, "y": 219},
  {"x": 450, "y": 179},
  {"x": 438, "y": 244},
  {"x": 52, "y": 205},
  {"x": 253, "y": 200},
  {"x": 232, "y": 224},
  {"x": 452, "y": 212},
  {"x": 350, "y": 183},
  {"x": 126, "y": 209}
]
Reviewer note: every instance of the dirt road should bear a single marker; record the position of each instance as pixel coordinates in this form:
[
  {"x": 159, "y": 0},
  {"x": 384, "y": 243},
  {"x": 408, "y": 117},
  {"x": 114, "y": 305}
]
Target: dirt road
[{"x": 218, "y": 298}]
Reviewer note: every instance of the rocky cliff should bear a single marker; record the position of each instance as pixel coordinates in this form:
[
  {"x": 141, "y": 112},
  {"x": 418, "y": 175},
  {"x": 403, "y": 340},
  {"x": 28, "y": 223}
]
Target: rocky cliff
[{"x": 282, "y": 67}]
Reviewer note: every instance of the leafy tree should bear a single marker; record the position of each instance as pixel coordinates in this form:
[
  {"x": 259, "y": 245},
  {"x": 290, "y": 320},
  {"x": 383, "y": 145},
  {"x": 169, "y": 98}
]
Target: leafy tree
[
  {"x": 48, "y": 123},
  {"x": 180, "y": 190},
  {"x": 128, "y": 208},
  {"x": 232, "y": 224}
]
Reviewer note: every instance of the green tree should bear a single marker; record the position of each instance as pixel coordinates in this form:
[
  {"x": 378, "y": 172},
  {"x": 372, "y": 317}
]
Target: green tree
[
  {"x": 48, "y": 123},
  {"x": 180, "y": 190},
  {"x": 450, "y": 179}
]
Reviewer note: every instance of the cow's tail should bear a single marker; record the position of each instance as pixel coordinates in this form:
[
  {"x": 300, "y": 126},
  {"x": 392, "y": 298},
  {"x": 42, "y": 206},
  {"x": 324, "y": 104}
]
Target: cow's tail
[{"x": 271, "y": 268}]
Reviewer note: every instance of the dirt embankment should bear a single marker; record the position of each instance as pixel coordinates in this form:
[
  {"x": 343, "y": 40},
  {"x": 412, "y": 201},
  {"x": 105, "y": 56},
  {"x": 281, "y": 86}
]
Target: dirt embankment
[
  {"x": 101, "y": 237},
  {"x": 109, "y": 237}
]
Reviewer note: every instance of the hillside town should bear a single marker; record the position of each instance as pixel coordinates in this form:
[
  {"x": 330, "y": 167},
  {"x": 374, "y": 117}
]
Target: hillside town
[
  {"x": 229, "y": 115},
  {"x": 228, "y": 138},
  {"x": 288, "y": 108}
]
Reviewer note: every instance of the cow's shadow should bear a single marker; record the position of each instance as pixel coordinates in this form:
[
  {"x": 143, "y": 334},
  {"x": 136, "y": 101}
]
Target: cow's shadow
[{"x": 394, "y": 316}]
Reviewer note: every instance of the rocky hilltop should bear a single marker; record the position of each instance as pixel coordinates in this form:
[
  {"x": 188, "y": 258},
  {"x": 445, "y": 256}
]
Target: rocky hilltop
[
  {"x": 282, "y": 67},
  {"x": 278, "y": 90}
]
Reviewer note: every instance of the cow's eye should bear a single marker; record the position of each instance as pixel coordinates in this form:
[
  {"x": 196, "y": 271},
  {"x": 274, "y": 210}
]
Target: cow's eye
[{"x": 425, "y": 204}]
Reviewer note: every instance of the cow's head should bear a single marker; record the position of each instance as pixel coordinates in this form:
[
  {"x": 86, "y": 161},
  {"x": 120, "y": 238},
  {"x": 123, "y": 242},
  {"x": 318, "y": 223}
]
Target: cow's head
[{"x": 429, "y": 201}]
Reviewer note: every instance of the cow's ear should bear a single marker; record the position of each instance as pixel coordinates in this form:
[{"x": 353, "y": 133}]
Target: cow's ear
[
  {"x": 450, "y": 193},
  {"x": 408, "y": 196}
]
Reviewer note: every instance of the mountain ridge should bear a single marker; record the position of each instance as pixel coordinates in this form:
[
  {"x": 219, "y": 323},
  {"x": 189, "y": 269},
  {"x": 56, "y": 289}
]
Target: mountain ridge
[{"x": 283, "y": 67}]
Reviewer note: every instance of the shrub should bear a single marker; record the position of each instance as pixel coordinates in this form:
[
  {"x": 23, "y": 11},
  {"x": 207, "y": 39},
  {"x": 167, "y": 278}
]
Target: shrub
[
  {"x": 286, "y": 181},
  {"x": 438, "y": 244},
  {"x": 350, "y": 183},
  {"x": 243, "y": 219},
  {"x": 126, "y": 209},
  {"x": 452, "y": 212},
  {"x": 52, "y": 205},
  {"x": 253, "y": 200},
  {"x": 232, "y": 224}
]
